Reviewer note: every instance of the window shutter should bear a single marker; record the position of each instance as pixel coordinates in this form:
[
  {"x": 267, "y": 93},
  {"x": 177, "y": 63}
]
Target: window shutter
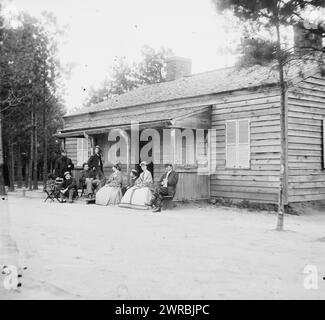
[
  {"x": 243, "y": 148},
  {"x": 85, "y": 151},
  {"x": 82, "y": 151},
  {"x": 79, "y": 151},
  {"x": 231, "y": 133}
]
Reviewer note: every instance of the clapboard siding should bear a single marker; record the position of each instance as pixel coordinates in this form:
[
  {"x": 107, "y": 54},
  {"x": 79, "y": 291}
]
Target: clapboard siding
[
  {"x": 260, "y": 183},
  {"x": 306, "y": 105},
  {"x": 71, "y": 148}
]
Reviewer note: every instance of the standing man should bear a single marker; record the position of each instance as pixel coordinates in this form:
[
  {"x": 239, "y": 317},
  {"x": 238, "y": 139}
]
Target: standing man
[
  {"x": 95, "y": 164},
  {"x": 62, "y": 165},
  {"x": 166, "y": 187}
]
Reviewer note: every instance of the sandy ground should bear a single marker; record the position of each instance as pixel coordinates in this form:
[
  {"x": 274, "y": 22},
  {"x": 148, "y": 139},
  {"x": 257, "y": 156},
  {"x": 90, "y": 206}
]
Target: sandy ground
[{"x": 199, "y": 252}]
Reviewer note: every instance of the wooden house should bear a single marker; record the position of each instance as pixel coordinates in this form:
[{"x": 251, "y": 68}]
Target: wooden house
[{"x": 237, "y": 115}]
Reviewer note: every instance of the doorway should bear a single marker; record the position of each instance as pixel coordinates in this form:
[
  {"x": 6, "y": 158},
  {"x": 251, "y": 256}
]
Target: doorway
[{"x": 150, "y": 165}]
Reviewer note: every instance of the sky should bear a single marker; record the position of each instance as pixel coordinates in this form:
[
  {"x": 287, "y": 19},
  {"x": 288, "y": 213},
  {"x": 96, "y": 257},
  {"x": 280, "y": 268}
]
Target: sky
[{"x": 97, "y": 31}]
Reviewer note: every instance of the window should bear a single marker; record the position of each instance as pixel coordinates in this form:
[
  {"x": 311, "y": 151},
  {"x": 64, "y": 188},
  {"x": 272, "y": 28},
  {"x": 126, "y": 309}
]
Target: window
[
  {"x": 238, "y": 144},
  {"x": 190, "y": 147},
  {"x": 82, "y": 151}
]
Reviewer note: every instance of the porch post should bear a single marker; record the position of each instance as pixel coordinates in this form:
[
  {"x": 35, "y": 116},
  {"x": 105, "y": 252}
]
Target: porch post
[
  {"x": 173, "y": 146},
  {"x": 128, "y": 156},
  {"x": 126, "y": 136}
]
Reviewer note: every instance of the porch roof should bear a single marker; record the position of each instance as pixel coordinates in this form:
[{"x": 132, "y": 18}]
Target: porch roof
[{"x": 146, "y": 119}]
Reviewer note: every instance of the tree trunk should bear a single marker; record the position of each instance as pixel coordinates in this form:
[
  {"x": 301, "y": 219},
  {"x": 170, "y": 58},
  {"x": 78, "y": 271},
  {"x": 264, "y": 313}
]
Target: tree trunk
[
  {"x": 2, "y": 180},
  {"x": 35, "y": 177},
  {"x": 283, "y": 128},
  {"x": 19, "y": 169},
  {"x": 26, "y": 173},
  {"x": 45, "y": 156},
  {"x": 11, "y": 167},
  {"x": 31, "y": 155}
]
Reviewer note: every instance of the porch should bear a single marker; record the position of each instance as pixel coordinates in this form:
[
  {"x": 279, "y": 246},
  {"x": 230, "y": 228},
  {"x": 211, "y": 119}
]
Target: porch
[{"x": 181, "y": 138}]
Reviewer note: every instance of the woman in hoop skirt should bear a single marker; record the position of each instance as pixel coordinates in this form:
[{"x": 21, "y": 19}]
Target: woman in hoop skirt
[
  {"x": 139, "y": 196},
  {"x": 111, "y": 192}
]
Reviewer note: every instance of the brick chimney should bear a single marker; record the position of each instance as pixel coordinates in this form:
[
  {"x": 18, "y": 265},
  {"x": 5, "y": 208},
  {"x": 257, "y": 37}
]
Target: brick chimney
[
  {"x": 306, "y": 38},
  {"x": 178, "y": 67}
]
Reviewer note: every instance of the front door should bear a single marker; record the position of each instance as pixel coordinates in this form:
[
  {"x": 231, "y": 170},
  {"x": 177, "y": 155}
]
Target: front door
[{"x": 150, "y": 166}]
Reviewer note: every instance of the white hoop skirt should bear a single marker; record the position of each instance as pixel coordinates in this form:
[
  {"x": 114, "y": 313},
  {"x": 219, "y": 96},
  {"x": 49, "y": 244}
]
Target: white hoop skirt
[
  {"x": 136, "y": 198},
  {"x": 108, "y": 195}
]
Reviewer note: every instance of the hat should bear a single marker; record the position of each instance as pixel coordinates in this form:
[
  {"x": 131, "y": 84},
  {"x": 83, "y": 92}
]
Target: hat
[
  {"x": 117, "y": 166},
  {"x": 97, "y": 147},
  {"x": 135, "y": 172},
  {"x": 67, "y": 172},
  {"x": 143, "y": 163}
]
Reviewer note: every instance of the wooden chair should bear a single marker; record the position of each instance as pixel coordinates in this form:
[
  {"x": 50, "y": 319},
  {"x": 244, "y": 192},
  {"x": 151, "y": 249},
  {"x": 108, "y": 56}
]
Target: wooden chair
[{"x": 52, "y": 190}]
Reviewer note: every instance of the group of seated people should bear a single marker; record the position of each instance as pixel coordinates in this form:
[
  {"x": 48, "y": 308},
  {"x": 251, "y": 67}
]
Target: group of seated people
[{"x": 140, "y": 193}]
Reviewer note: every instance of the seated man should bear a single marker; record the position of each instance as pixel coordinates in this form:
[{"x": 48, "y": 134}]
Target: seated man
[
  {"x": 88, "y": 180},
  {"x": 166, "y": 187},
  {"x": 68, "y": 187}
]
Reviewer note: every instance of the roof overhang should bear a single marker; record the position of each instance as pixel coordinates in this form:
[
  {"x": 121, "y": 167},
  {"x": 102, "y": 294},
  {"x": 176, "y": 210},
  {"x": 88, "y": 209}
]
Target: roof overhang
[
  {"x": 193, "y": 119},
  {"x": 83, "y": 132}
]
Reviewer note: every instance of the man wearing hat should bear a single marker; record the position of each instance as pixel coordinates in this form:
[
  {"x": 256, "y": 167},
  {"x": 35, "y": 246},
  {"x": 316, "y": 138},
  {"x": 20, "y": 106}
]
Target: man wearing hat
[
  {"x": 88, "y": 180},
  {"x": 63, "y": 164},
  {"x": 95, "y": 164},
  {"x": 166, "y": 187},
  {"x": 68, "y": 188}
]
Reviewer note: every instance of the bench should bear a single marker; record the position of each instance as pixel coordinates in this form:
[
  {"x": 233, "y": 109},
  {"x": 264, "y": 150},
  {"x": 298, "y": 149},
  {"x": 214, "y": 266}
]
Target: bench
[{"x": 167, "y": 203}]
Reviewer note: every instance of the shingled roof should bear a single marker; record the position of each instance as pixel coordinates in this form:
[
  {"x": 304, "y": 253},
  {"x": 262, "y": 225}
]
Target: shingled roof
[
  {"x": 227, "y": 79},
  {"x": 212, "y": 82}
]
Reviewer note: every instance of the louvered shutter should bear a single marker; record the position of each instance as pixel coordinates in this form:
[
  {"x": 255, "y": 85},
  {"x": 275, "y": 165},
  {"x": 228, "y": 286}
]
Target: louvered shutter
[
  {"x": 243, "y": 146},
  {"x": 231, "y": 134},
  {"x": 79, "y": 152},
  {"x": 85, "y": 150},
  {"x": 82, "y": 151}
]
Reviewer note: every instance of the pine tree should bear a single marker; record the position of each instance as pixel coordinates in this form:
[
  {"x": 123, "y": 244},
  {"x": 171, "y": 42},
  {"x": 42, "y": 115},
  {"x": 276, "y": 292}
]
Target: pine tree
[{"x": 272, "y": 14}]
